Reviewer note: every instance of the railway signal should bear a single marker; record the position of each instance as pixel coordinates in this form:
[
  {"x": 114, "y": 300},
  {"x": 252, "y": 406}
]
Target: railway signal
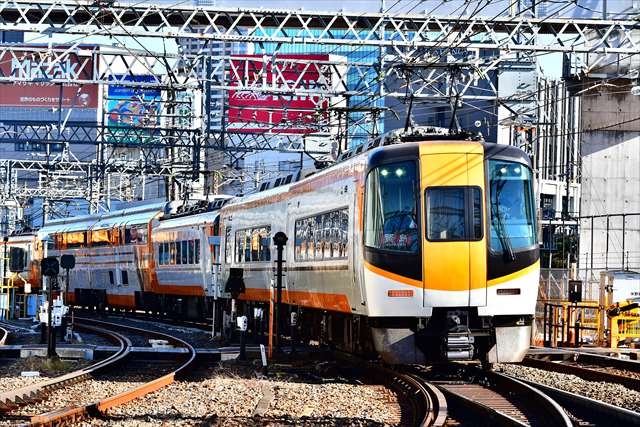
[
  {"x": 50, "y": 268},
  {"x": 280, "y": 239}
]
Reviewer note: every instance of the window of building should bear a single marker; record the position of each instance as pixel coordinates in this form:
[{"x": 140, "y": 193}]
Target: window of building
[
  {"x": 391, "y": 221},
  {"x": 548, "y": 206},
  {"x": 322, "y": 237},
  {"x": 454, "y": 213},
  {"x": 38, "y": 147},
  {"x": 253, "y": 244}
]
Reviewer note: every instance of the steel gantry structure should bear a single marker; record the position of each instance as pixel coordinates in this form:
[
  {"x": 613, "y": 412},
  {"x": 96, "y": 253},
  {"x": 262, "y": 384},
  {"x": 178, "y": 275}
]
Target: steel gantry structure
[{"x": 435, "y": 57}]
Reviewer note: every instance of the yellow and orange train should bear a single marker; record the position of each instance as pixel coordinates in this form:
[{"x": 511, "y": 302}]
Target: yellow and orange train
[{"x": 419, "y": 247}]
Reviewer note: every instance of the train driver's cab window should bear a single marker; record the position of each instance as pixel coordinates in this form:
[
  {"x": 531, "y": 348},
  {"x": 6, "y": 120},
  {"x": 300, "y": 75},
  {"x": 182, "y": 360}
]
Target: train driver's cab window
[
  {"x": 454, "y": 213},
  {"x": 391, "y": 220},
  {"x": 512, "y": 207}
]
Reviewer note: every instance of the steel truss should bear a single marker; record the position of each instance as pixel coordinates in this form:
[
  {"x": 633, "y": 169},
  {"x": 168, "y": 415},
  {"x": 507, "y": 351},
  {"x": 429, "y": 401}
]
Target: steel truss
[
  {"x": 415, "y": 49},
  {"x": 414, "y": 31}
]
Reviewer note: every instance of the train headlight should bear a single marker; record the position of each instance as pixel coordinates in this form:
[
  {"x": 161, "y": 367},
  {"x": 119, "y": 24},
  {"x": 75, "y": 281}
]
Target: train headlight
[
  {"x": 384, "y": 172},
  {"x": 399, "y": 172}
]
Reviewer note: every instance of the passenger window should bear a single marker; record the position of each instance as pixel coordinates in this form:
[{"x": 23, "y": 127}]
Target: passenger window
[
  {"x": 197, "y": 252},
  {"x": 454, "y": 213},
  {"x": 111, "y": 281},
  {"x": 322, "y": 237},
  {"x": 252, "y": 245},
  {"x": 161, "y": 253},
  {"x": 185, "y": 252},
  {"x": 167, "y": 253},
  {"x": 125, "y": 278},
  {"x": 172, "y": 248},
  {"x": 191, "y": 251}
]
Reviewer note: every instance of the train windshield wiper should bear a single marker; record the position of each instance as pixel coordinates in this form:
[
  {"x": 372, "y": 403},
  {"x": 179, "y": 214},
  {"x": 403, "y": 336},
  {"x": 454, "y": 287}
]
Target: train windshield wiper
[{"x": 500, "y": 228}]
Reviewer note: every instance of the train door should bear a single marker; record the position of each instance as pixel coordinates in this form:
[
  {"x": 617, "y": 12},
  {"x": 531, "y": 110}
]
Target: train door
[
  {"x": 454, "y": 248},
  {"x": 214, "y": 240}
]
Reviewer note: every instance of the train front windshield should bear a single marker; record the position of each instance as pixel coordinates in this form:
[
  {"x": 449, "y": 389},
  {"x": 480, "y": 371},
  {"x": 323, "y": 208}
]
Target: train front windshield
[
  {"x": 391, "y": 221},
  {"x": 512, "y": 207}
]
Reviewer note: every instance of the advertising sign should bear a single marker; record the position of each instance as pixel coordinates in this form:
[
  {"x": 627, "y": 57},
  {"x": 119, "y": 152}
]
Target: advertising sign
[
  {"x": 130, "y": 107},
  {"x": 41, "y": 69},
  {"x": 268, "y": 112}
]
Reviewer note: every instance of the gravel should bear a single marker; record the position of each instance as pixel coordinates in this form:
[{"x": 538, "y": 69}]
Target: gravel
[
  {"x": 227, "y": 395},
  {"x": 614, "y": 394},
  {"x": 10, "y": 371}
]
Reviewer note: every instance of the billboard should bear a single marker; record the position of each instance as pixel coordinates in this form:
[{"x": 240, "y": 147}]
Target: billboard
[
  {"x": 40, "y": 68},
  {"x": 268, "y": 112},
  {"x": 130, "y": 108}
]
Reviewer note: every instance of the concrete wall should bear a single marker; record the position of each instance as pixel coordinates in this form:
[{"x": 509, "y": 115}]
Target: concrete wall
[{"x": 610, "y": 181}]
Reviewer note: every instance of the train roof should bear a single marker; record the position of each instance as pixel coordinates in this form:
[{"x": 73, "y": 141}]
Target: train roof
[
  {"x": 188, "y": 220},
  {"x": 133, "y": 215}
]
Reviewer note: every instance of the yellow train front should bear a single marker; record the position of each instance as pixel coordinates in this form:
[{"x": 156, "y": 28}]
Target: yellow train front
[{"x": 451, "y": 261}]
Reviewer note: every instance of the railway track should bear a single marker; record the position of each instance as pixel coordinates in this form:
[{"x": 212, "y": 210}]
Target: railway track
[
  {"x": 591, "y": 369},
  {"x": 4, "y": 334},
  {"x": 584, "y": 411},
  {"x": 13, "y": 399},
  {"x": 71, "y": 414},
  {"x": 477, "y": 397}
]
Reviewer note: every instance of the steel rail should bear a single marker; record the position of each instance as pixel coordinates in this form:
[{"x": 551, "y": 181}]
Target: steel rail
[
  {"x": 585, "y": 408},
  {"x": 583, "y": 372},
  {"x": 502, "y": 400},
  {"x": 24, "y": 395},
  {"x": 586, "y": 356},
  {"x": 4, "y": 334},
  {"x": 101, "y": 406},
  {"x": 429, "y": 404}
]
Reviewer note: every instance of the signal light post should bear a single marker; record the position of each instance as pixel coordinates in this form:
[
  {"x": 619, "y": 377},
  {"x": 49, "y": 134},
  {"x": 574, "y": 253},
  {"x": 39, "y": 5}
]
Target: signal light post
[
  {"x": 50, "y": 269},
  {"x": 280, "y": 239}
]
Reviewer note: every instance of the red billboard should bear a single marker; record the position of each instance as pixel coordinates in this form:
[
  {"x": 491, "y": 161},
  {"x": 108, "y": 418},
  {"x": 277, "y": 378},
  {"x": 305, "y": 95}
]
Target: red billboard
[
  {"x": 250, "y": 110},
  {"x": 40, "y": 68}
]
